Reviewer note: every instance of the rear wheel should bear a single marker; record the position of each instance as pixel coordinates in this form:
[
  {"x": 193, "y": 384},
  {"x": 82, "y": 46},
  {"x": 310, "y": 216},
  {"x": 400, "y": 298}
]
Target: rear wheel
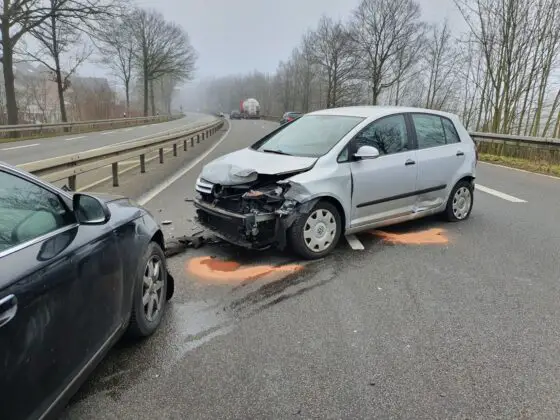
[
  {"x": 150, "y": 293},
  {"x": 315, "y": 234},
  {"x": 460, "y": 202}
]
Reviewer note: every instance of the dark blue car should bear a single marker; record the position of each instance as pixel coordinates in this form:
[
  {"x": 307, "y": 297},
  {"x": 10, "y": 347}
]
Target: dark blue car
[{"x": 76, "y": 272}]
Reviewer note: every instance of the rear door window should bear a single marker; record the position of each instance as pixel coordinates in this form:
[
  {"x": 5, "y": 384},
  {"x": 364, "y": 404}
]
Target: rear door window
[
  {"x": 429, "y": 130},
  {"x": 451, "y": 135}
]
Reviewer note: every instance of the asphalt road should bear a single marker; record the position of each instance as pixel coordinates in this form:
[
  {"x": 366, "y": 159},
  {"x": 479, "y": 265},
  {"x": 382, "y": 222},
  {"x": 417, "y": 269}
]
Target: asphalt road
[
  {"x": 24, "y": 151},
  {"x": 466, "y": 326}
]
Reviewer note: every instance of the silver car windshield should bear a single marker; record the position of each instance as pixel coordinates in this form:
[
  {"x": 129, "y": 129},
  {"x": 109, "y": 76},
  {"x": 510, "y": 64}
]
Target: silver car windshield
[{"x": 309, "y": 136}]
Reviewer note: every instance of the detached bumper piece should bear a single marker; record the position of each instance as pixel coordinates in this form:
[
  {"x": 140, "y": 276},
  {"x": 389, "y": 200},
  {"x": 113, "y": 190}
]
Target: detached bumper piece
[{"x": 253, "y": 230}]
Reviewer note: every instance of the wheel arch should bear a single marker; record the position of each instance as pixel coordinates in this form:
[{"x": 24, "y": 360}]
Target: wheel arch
[
  {"x": 338, "y": 205},
  {"x": 159, "y": 239}
]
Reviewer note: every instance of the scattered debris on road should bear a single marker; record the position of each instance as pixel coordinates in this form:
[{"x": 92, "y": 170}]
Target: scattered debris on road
[
  {"x": 166, "y": 222},
  {"x": 178, "y": 245}
]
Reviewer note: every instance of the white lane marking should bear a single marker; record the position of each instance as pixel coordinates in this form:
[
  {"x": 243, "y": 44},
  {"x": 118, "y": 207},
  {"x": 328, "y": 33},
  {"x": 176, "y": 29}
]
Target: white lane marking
[
  {"x": 354, "y": 243},
  {"x": 107, "y": 132},
  {"x": 519, "y": 170},
  {"x": 20, "y": 147},
  {"x": 128, "y": 129},
  {"x": 499, "y": 194},
  {"x": 169, "y": 181},
  {"x": 75, "y": 138}
]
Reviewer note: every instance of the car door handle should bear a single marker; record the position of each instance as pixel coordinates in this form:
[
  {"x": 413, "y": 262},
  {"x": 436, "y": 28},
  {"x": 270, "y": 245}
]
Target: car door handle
[
  {"x": 409, "y": 162},
  {"x": 460, "y": 153},
  {"x": 8, "y": 309}
]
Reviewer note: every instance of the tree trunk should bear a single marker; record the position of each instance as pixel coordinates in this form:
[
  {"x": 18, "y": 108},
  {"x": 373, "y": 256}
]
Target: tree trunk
[
  {"x": 127, "y": 93},
  {"x": 60, "y": 87},
  {"x": 9, "y": 78},
  {"x": 146, "y": 92},
  {"x": 152, "y": 97}
]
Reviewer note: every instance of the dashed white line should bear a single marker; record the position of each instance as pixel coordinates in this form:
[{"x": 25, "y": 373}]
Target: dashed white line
[
  {"x": 20, "y": 147},
  {"x": 107, "y": 132},
  {"x": 499, "y": 194},
  {"x": 128, "y": 129},
  {"x": 354, "y": 243},
  {"x": 75, "y": 138}
]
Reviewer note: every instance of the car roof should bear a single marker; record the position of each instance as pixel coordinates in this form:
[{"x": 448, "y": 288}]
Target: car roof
[{"x": 376, "y": 111}]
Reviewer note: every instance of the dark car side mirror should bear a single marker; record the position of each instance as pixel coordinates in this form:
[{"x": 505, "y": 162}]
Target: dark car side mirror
[{"x": 89, "y": 210}]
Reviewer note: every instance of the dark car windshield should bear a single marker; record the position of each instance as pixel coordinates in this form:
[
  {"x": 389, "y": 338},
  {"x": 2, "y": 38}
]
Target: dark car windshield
[{"x": 310, "y": 135}]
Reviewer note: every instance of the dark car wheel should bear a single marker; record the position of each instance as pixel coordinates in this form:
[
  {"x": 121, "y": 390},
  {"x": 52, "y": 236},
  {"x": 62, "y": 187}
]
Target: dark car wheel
[
  {"x": 315, "y": 234},
  {"x": 460, "y": 202},
  {"x": 150, "y": 293}
]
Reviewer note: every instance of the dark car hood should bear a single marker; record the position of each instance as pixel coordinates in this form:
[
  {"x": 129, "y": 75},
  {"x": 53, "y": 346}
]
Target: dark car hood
[{"x": 245, "y": 165}]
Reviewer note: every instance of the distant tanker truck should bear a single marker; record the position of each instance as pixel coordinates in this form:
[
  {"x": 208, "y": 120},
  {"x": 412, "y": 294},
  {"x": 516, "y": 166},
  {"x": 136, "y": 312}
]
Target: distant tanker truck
[{"x": 250, "y": 109}]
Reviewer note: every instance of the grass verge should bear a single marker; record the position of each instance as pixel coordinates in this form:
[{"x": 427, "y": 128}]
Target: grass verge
[{"x": 540, "y": 167}]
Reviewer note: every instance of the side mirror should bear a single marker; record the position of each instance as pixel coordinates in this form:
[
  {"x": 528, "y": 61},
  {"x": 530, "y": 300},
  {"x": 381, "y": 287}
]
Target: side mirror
[
  {"x": 366, "y": 152},
  {"x": 90, "y": 210}
]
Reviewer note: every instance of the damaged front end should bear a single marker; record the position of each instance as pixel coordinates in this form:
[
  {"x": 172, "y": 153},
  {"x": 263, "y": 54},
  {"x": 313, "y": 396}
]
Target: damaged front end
[{"x": 254, "y": 214}]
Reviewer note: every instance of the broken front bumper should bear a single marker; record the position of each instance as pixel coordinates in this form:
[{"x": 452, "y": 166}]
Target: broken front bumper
[{"x": 253, "y": 230}]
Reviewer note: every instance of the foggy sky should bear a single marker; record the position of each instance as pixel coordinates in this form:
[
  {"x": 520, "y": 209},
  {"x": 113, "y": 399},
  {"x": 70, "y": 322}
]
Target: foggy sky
[{"x": 239, "y": 36}]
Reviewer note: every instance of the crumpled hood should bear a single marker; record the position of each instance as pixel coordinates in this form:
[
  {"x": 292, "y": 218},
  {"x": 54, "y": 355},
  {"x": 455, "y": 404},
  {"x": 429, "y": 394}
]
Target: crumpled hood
[{"x": 245, "y": 165}]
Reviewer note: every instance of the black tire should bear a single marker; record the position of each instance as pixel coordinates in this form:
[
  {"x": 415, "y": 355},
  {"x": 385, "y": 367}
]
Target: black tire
[
  {"x": 449, "y": 213},
  {"x": 296, "y": 232},
  {"x": 140, "y": 326}
]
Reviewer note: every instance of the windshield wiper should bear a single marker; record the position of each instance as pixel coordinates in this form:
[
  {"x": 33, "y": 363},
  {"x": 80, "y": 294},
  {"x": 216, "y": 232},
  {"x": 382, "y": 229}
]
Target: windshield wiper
[{"x": 278, "y": 152}]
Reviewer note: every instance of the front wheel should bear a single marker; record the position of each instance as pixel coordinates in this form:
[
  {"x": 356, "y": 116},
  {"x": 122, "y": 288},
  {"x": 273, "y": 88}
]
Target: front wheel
[
  {"x": 460, "y": 202},
  {"x": 150, "y": 293},
  {"x": 315, "y": 234}
]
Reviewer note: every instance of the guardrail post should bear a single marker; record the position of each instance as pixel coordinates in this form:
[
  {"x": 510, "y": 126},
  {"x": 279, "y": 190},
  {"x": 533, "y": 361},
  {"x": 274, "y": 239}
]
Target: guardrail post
[
  {"x": 174, "y": 149},
  {"x": 198, "y": 138},
  {"x": 143, "y": 164},
  {"x": 161, "y": 155},
  {"x": 185, "y": 145},
  {"x": 115, "y": 167},
  {"x": 192, "y": 141},
  {"x": 72, "y": 182}
]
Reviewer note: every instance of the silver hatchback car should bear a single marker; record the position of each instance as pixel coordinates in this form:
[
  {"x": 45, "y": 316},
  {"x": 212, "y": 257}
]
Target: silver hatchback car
[{"x": 337, "y": 172}]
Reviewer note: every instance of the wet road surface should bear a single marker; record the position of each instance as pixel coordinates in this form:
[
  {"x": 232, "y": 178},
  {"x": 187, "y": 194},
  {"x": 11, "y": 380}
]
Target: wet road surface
[{"x": 430, "y": 320}]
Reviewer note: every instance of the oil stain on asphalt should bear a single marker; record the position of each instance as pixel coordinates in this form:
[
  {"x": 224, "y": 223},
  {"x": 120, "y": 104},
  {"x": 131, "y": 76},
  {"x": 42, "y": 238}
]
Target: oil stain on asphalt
[
  {"x": 219, "y": 271},
  {"x": 424, "y": 237}
]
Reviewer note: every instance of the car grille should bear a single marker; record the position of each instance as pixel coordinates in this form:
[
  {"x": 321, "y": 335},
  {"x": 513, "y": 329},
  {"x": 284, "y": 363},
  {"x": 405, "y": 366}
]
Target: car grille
[
  {"x": 203, "y": 186},
  {"x": 226, "y": 226}
]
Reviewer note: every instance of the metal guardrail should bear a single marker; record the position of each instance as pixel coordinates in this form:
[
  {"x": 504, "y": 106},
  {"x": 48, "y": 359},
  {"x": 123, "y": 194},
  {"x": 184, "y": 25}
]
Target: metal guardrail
[
  {"x": 6, "y": 130},
  {"x": 514, "y": 139},
  {"x": 70, "y": 166}
]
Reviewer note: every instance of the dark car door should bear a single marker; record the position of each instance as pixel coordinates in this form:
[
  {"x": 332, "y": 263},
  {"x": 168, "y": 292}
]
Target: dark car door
[{"x": 60, "y": 295}]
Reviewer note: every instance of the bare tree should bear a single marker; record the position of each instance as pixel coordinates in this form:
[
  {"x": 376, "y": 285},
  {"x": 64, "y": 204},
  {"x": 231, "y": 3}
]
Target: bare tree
[
  {"x": 21, "y": 17},
  {"x": 441, "y": 63},
  {"x": 388, "y": 37},
  {"x": 330, "y": 46},
  {"x": 117, "y": 48},
  {"x": 17, "y": 18},
  {"x": 57, "y": 36},
  {"x": 519, "y": 41},
  {"x": 163, "y": 48}
]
